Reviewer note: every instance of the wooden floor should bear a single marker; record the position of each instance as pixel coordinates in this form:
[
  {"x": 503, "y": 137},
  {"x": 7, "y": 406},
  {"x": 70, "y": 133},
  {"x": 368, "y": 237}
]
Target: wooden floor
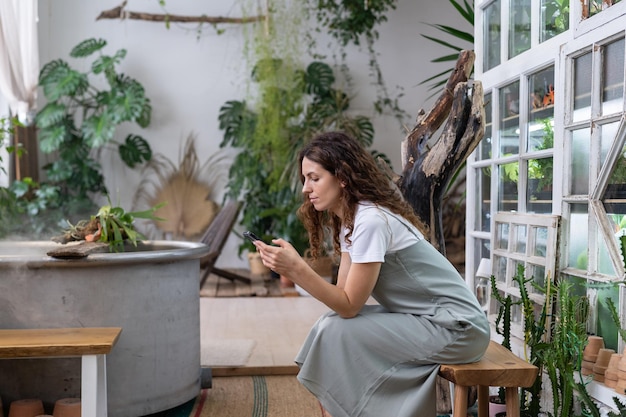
[{"x": 279, "y": 325}]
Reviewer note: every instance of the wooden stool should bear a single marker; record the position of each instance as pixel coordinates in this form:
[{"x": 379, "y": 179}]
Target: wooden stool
[
  {"x": 92, "y": 344},
  {"x": 498, "y": 368}
]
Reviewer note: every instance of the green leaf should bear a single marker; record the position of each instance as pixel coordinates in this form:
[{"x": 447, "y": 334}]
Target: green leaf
[
  {"x": 443, "y": 43},
  {"x": 52, "y": 114},
  {"x": 237, "y": 122},
  {"x": 467, "y": 10},
  {"x": 59, "y": 80},
  {"x": 98, "y": 129},
  {"x": 87, "y": 47},
  {"x": 135, "y": 150},
  {"x": 319, "y": 78},
  {"x": 50, "y": 139}
]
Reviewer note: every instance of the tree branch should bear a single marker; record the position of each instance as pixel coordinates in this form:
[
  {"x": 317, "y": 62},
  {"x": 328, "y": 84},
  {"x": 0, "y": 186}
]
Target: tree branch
[{"x": 120, "y": 13}]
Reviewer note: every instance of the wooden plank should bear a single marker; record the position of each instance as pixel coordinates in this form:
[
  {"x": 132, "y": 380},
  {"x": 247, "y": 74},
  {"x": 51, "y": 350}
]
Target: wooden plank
[
  {"x": 25, "y": 343},
  {"x": 255, "y": 370}
]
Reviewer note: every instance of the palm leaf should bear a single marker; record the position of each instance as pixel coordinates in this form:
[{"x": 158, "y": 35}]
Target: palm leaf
[
  {"x": 443, "y": 43},
  {"x": 467, "y": 11}
]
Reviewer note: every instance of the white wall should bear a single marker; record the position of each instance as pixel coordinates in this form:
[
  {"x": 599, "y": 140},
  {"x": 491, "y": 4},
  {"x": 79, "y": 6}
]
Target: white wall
[{"x": 189, "y": 78}]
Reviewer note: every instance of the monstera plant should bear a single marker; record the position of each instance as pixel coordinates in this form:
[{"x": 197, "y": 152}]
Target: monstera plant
[{"x": 81, "y": 116}]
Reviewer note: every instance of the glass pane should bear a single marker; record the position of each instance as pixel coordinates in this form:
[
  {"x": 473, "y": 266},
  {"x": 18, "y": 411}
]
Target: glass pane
[
  {"x": 502, "y": 236},
  {"x": 500, "y": 268},
  {"x": 483, "y": 209},
  {"x": 538, "y": 272},
  {"x": 579, "y": 180},
  {"x": 491, "y": 36},
  {"x": 541, "y": 110},
  {"x": 616, "y": 213},
  {"x": 520, "y": 239},
  {"x": 578, "y": 237},
  {"x": 519, "y": 27},
  {"x": 609, "y": 133},
  {"x": 514, "y": 270},
  {"x": 605, "y": 265},
  {"x": 613, "y": 78},
  {"x": 606, "y": 327},
  {"x": 487, "y": 140},
  {"x": 554, "y": 18},
  {"x": 582, "y": 87},
  {"x": 540, "y": 239},
  {"x": 482, "y": 249},
  {"x": 539, "y": 192},
  {"x": 507, "y": 192},
  {"x": 509, "y": 120}
]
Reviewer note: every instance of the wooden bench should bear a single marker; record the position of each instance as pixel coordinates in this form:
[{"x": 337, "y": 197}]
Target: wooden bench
[
  {"x": 498, "y": 368},
  {"x": 92, "y": 344}
]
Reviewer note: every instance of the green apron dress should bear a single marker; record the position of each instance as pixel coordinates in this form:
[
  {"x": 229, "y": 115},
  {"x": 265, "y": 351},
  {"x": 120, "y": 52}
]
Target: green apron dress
[{"x": 384, "y": 361}]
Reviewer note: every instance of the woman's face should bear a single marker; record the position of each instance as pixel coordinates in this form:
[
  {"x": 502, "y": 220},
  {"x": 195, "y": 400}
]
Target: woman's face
[{"x": 321, "y": 187}]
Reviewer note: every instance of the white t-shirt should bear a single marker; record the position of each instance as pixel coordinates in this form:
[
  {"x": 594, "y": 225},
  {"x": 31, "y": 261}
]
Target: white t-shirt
[{"x": 377, "y": 231}]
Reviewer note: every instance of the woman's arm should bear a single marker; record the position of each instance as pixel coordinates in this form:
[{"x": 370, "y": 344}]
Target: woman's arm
[{"x": 355, "y": 282}]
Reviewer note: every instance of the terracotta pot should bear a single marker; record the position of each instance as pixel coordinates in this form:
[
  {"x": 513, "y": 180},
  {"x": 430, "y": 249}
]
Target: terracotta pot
[
  {"x": 30, "y": 407},
  {"x": 611, "y": 371},
  {"x": 594, "y": 344},
  {"x": 256, "y": 265},
  {"x": 604, "y": 356},
  {"x": 67, "y": 407}
]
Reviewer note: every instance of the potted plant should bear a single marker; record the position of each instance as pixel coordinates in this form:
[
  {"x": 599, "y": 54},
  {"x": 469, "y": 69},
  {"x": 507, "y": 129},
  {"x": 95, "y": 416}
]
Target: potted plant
[{"x": 80, "y": 118}]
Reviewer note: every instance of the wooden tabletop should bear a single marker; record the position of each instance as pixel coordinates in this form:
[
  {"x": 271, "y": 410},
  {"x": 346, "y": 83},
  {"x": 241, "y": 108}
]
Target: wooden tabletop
[{"x": 25, "y": 343}]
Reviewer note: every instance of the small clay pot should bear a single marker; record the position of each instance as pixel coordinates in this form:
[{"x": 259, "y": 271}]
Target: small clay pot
[
  {"x": 604, "y": 357},
  {"x": 29, "y": 407},
  {"x": 594, "y": 344},
  {"x": 67, "y": 407}
]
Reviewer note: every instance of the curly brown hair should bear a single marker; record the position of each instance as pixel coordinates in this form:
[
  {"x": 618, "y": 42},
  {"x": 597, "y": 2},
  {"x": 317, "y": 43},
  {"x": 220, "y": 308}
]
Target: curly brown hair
[{"x": 346, "y": 159}]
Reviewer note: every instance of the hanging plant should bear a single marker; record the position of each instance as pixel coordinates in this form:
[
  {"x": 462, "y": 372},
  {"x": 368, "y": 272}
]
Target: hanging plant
[{"x": 348, "y": 21}]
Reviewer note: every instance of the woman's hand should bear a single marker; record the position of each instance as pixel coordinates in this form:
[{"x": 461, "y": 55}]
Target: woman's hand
[{"x": 283, "y": 258}]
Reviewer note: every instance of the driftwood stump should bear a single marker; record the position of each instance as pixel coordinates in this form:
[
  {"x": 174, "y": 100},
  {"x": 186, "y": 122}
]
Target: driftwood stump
[{"x": 429, "y": 164}]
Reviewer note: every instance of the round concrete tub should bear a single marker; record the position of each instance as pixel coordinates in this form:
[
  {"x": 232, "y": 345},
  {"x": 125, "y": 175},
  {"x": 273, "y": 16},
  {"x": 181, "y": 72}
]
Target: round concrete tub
[{"x": 151, "y": 292}]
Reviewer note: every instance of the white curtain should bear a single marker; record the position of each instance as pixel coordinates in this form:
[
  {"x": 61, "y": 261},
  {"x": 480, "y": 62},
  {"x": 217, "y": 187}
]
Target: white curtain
[{"x": 19, "y": 57}]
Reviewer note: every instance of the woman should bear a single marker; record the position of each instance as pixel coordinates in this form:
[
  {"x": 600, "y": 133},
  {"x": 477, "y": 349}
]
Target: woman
[{"x": 374, "y": 360}]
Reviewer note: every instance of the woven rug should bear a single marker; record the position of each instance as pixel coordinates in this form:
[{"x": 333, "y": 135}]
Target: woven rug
[
  {"x": 251, "y": 396},
  {"x": 260, "y": 286}
]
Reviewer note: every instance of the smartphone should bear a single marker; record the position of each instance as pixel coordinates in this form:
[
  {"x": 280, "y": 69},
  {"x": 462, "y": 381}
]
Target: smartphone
[{"x": 251, "y": 236}]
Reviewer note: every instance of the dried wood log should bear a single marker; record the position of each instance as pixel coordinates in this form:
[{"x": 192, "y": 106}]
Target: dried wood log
[
  {"x": 120, "y": 12},
  {"x": 427, "y": 170}
]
